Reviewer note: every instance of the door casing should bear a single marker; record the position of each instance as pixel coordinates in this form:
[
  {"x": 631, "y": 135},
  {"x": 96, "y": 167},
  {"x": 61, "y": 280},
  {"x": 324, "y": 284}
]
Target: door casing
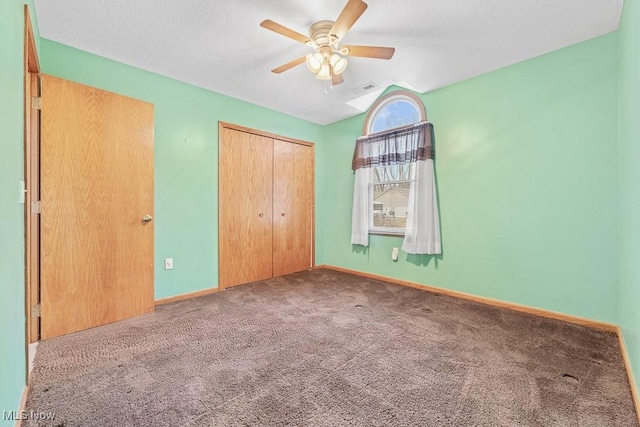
[{"x": 32, "y": 182}]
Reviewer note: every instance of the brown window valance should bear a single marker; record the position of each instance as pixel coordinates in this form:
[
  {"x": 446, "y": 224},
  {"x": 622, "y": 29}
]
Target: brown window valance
[{"x": 397, "y": 146}]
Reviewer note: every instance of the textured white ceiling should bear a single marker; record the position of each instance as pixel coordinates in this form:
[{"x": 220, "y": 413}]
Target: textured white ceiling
[{"x": 219, "y": 44}]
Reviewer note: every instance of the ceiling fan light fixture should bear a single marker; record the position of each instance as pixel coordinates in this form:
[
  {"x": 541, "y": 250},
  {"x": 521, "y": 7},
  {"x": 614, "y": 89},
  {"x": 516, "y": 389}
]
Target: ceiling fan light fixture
[
  {"x": 314, "y": 62},
  {"x": 325, "y": 72},
  {"x": 329, "y": 60},
  {"x": 338, "y": 63}
]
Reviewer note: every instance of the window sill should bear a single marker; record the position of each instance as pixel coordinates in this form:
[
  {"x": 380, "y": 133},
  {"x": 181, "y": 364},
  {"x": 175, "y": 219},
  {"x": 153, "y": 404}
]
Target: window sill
[{"x": 386, "y": 233}]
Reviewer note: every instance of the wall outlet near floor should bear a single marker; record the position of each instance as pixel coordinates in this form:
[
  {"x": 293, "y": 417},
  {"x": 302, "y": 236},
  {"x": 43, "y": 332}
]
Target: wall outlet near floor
[
  {"x": 168, "y": 263},
  {"x": 394, "y": 254}
]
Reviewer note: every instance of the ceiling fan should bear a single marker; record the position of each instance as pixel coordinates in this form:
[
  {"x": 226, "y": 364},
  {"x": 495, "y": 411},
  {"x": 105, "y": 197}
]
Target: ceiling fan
[{"x": 328, "y": 62}]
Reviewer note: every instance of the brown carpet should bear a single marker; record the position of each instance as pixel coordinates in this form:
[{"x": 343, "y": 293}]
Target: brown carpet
[{"x": 323, "y": 348}]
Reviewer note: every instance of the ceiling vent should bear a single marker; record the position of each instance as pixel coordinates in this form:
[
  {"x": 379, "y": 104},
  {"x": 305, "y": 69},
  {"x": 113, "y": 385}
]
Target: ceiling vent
[{"x": 365, "y": 88}]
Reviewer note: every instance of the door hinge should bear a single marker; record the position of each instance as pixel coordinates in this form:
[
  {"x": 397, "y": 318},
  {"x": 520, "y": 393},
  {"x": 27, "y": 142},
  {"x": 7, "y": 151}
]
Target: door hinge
[
  {"x": 36, "y": 207},
  {"x": 36, "y": 310},
  {"x": 36, "y": 102}
]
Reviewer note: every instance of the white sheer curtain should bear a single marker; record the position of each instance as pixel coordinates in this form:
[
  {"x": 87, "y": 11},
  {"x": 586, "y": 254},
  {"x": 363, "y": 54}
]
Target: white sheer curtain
[
  {"x": 422, "y": 234},
  {"x": 361, "y": 206},
  {"x": 411, "y": 144}
]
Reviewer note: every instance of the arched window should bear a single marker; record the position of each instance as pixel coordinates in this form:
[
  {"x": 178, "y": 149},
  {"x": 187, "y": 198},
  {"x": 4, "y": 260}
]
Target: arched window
[
  {"x": 390, "y": 184},
  {"x": 394, "y": 110},
  {"x": 394, "y": 186}
]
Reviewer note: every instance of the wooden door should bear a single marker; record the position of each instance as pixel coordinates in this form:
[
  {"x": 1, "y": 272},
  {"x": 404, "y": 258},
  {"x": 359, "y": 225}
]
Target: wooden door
[
  {"x": 245, "y": 207},
  {"x": 96, "y": 187},
  {"x": 293, "y": 196}
]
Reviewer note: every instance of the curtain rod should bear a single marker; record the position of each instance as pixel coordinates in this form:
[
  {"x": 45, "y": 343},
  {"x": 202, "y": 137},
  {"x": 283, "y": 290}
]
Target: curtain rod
[{"x": 390, "y": 131}]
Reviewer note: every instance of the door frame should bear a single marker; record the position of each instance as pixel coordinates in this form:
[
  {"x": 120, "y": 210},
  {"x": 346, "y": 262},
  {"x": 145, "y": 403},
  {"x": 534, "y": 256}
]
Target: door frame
[
  {"x": 225, "y": 125},
  {"x": 32, "y": 180}
]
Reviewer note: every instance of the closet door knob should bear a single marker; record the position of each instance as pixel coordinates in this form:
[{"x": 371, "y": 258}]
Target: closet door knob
[
  {"x": 283, "y": 214},
  {"x": 261, "y": 215},
  {"x": 147, "y": 218}
]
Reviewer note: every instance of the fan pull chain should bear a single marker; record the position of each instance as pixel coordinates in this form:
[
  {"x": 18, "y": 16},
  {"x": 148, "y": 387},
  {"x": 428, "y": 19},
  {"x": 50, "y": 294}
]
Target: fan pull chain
[{"x": 328, "y": 86}]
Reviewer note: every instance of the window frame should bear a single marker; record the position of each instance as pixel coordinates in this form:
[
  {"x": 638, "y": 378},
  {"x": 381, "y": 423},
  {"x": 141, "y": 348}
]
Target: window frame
[
  {"x": 376, "y": 107},
  {"x": 388, "y": 98}
]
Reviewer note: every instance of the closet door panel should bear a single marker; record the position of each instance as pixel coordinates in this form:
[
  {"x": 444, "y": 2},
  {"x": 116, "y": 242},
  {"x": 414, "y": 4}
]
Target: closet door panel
[
  {"x": 245, "y": 211},
  {"x": 292, "y": 207},
  {"x": 303, "y": 186},
  {"x": 283, "y": 208}
]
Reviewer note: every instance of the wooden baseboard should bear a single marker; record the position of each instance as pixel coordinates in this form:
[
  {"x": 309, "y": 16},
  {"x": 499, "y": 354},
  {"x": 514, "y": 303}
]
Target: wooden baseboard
[
  {"x": 183, "y": 297},
  {"x": 604, "y": 326},
  {"x": 23, "y": 405},
  {"x": 627, "y": 364}
]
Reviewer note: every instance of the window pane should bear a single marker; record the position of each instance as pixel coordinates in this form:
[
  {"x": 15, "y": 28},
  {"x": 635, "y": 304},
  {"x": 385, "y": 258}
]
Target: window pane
[
  {"x": 390, "y": 203},
  {"x": 395, "y": 114},
  {"x": 391, "y": 186},
  {"x": 403, "y": 172}
]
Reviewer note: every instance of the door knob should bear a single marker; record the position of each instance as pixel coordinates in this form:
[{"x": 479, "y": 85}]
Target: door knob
[
  {"x": 283, "y": 214},
  {"x": 260, "y": 215},
  {"x": 147, "y": 218}
]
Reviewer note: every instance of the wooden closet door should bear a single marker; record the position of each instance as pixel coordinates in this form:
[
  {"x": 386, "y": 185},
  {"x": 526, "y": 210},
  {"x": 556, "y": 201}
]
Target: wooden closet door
[
  {"x": 293, "y": 166},
  {"x": 96, "y": 187},
  {"x": 245, "y": 207}
]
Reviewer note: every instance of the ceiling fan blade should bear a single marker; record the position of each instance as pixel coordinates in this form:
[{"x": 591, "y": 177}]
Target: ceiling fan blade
[
  {"x": 378, "y": 52},
  {"x": 349, "y": 15},
  {"x": 289, "y": 65},
  {"x": 287, "y": 32},
  {"x": 336, "y": 79}
]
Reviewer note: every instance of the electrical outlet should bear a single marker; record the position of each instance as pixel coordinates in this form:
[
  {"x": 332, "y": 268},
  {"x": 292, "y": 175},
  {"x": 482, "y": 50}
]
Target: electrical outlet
[
  {"x": 168, "y": 263},
  {"x": 394, "y": 254}
]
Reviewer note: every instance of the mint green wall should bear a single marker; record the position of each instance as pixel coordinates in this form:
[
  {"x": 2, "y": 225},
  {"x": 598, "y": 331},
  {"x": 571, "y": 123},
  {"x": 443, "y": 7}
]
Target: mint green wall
[
  {"x": 12, "y": 319},
  {"x": 186, "y": 158},
  {"x": 526, "y": 166},
  {"x": 630, "y": 182}
]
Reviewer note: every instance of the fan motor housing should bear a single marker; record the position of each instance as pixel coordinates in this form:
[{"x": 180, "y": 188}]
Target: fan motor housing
[{"x": 320, "y": 33}]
